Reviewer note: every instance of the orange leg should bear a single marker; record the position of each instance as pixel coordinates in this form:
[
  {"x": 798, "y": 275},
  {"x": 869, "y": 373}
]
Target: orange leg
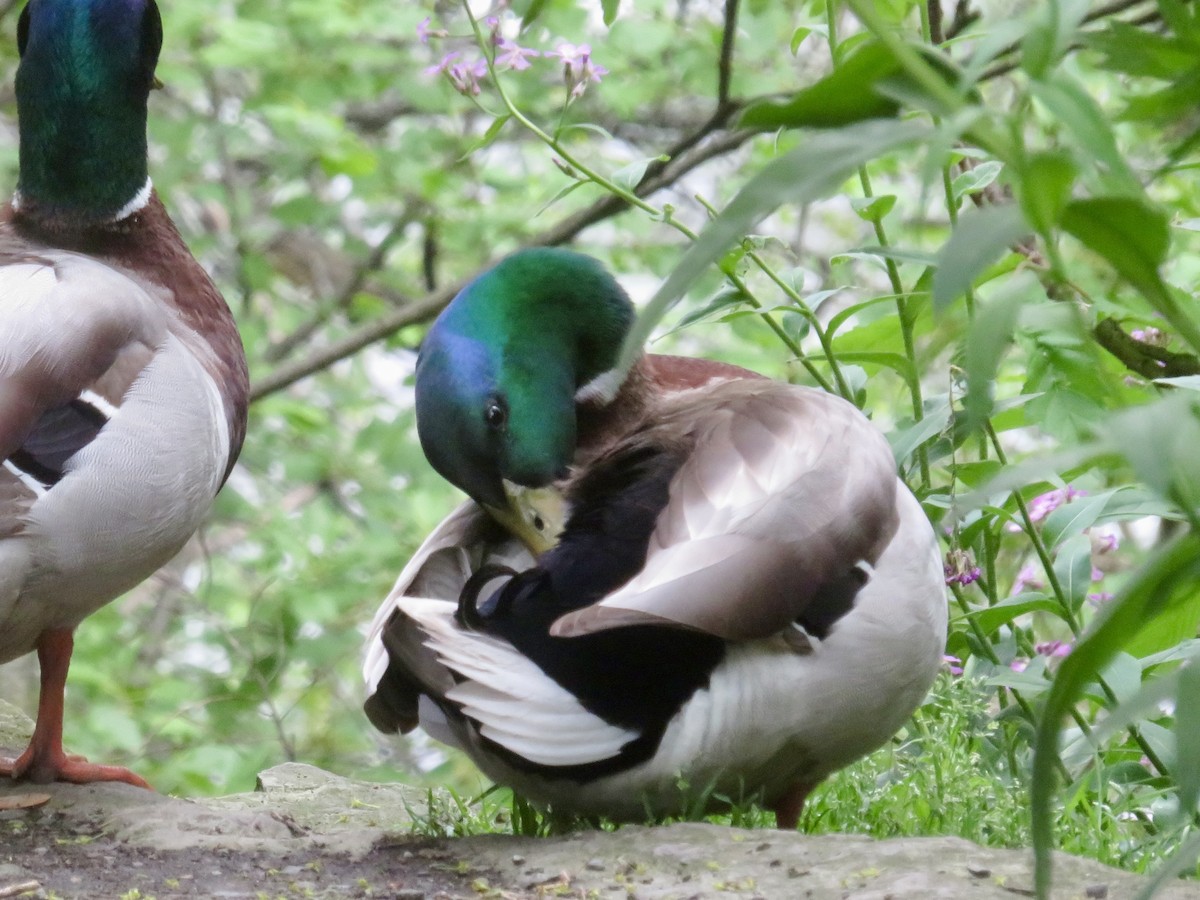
[
  {"x": 44, "y": 760},
  {"x": 787, "y": 808}
]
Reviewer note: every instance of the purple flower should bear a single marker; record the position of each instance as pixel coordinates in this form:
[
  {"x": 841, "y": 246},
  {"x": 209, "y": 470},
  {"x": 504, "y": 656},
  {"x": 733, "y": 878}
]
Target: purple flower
[
  {"x": 466, "y": 77},
  {"x": 510, "y": 56},
  {"x": 1044, "y": 504},
  {"x": 1053, "y": 649},
  {"x": 578, "y": 68},
  {"x": 1020, "y": 664},
  {"x": 1104, "y": 541},
  {"x": 444, "y": 63},
  {"x": 424, "y": 32},
  {"x": 960, "y": 568},
  {"x": 1149, "y": 335},
  {"x": 1028, "y": 577},
  {"x": 1099, "y": 598},
  {"x": 953, "y": 663}
]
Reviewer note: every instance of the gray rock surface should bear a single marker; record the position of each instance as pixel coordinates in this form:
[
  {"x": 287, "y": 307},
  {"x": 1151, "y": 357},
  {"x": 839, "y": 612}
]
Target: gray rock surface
[{"x": 336, "y": 837}]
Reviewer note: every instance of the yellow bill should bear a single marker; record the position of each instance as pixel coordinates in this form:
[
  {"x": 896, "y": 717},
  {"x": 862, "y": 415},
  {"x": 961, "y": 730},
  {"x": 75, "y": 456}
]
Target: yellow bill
[{"x": 534, "y": 515}]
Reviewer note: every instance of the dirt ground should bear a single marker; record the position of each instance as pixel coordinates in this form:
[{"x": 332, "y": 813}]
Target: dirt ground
[
  {"x": 45, "y": 856},
  {"x": 307, "y": 833}
]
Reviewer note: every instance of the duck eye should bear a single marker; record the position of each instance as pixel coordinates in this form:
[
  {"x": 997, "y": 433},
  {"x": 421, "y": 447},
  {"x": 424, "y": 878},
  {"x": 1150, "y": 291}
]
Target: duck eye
[{"x": 495, "y": 414}]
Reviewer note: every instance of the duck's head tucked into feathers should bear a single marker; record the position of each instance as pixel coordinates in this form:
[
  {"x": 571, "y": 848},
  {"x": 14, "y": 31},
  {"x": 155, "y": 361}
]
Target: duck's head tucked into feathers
[
  {"x": 743, "y": 596},
  {"x": 500, "y": 370},
  {"x": 87, "y": 67}
]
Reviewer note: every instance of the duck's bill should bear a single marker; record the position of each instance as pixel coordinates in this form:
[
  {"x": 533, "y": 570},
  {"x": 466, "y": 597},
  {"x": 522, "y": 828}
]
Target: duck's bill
[{"x": 534, "y": 515}]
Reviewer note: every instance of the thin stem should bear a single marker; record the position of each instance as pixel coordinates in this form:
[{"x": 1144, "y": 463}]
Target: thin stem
[
  {"x": 725, "y": 61},
  {"x": 1068, "y": 614},
  {"x": 801, "y": 307},
  {"x": 893, "y": 272},
  {"x": 821, "y": 333},
  {"x": 590, "y": 174},
  {"x": 906, "y": 324}
]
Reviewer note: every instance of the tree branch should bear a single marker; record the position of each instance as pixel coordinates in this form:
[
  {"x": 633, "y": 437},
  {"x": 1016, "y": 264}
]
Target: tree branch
[
  {"x": 1146, "y": 359},
  {"x": 696, "y": 151},
  {"x": 1103, "y": 12},
  {"x": 725, "y": 63},
  {"x": 284, "y": 347}
]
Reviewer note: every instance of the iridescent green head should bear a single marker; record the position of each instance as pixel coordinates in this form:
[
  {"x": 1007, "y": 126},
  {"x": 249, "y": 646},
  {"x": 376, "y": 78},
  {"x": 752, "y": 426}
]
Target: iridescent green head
[
  {"x": 87, "y": 67},
  {"x": 500, "y": 369}
]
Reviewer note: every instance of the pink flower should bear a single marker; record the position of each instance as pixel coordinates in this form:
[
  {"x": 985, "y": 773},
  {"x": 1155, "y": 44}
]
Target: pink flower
[
  {"x": 1149, "y": 335},
  {"x": 578, "y": 68},
  {"x": 466, "y": 78},
  {"x": 1099, "y": 598},
  {"x": 424, "y": 32},
  {"x": 1028, "y": 577},
  {"x": 443, "y": 64},
  {"x": 960, "y": 568},
  {"x": 953, "y": 663},
  {"x": 1053, "y": 649},
  {"x": 1106, "y": 539},
  {"x": 1044, "y": 504},
  {"x": 1020, "y": 664},
  {"x": 511, "y": 56}
]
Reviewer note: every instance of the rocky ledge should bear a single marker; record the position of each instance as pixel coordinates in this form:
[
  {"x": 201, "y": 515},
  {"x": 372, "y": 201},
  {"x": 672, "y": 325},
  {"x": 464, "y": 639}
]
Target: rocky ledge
[{"x": 309, "y": 833}]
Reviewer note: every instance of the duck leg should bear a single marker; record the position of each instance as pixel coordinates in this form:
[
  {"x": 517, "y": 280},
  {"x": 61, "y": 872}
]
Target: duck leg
[
  {"x": 788, "y": 807},
  {"x": 44, "y": 760}
]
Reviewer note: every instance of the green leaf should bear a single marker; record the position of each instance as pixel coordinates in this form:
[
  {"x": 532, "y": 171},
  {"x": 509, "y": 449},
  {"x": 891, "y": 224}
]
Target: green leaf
[
  {"x": 1156, "y": 587},
  {"x": 1049, "y": 38},
  {"x": 1123, "y": 675},
  {"x": 988, "y": 339},
  {"x": 799, "y": 36},
  {"x": 849, "y": 312},
  {"x": 1138, "y": 51},
  {"x": 1044, "y": 188},
  {"x": 846, "y": 95},
  {"x": 489, "y": 136},
  {"x": 558, "y": 195},
  {"x": 1074, "y": 517},
  {"x": 865, "y": 85},
  {"x": 873, "y": 209},
  {"x": 1130, "y": 234},
  {"x": 975, "y": 178},
  {"x": 1187, "y": 737},
  {"x": 906, "y": 440},
  {"x": 992, "y": 617},
  {"x": 897, "y": 362},
  {"x": 609, "y": 8},
  {"x": 533, "y": 9},
  {"x": 726, "y": 297},
  {"x": 1160, "y": 440},
  {"x": 630, "y": 176},
  {"x": 811, "y": 171},
  {"x": 1072, "y": 106},
  {"x": 1073, "y": 566},
  {"x": 978, "y": 240}
]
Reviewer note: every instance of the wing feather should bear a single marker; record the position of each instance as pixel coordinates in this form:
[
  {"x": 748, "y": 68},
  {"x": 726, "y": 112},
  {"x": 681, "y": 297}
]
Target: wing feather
[
  {"x": 785, "y": 490},
  {"x": 509, "y": 700},
  {"x": 65, "y": 323}
]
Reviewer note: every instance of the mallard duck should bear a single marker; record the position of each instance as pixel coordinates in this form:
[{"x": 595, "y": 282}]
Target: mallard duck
[
  {"x": 122, "y": 378},
  {"x": 744, "y": 596}
]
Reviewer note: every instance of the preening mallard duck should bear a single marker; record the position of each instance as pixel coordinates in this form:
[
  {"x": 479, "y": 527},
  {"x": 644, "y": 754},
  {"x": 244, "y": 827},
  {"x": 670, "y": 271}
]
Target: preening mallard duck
[
  {"x": 122, "y": 378},
  {"x": 744, "y": 597}
]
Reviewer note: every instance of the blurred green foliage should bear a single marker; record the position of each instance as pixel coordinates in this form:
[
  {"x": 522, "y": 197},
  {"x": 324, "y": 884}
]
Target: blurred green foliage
[{"x": 976, "y": 220}]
